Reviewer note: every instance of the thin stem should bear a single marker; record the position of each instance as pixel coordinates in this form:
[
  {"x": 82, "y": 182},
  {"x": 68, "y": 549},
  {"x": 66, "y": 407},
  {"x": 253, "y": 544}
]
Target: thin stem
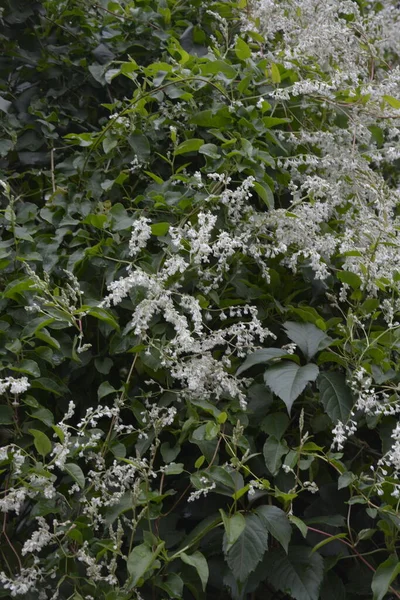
[{"x": 360, "y": 556}]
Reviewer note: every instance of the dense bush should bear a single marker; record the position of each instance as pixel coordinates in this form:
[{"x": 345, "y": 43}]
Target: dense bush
[{"x": 200, "y": 272}]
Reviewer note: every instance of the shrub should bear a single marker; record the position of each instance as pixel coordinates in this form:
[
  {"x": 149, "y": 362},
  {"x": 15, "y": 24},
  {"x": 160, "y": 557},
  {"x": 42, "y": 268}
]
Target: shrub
[{"x": 200, "y": 268}]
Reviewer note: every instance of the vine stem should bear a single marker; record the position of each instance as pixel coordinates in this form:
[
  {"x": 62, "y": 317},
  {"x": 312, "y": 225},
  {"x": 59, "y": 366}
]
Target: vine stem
[{"x": 354, "y": 549}]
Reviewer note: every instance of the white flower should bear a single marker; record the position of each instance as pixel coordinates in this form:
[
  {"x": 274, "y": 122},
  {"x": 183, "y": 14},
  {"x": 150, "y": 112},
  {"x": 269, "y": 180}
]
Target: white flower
[
  {"x": 15, "y": 386},
  {"x": 141, "y": 232}
]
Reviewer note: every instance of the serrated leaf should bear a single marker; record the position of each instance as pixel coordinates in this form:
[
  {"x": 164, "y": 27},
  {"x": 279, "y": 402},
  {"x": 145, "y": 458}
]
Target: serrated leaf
[
  {"x": 288, "y": 380},
  {"x": 308, "y": 337},
  {"x": 332, "y": 587},
  {"x": 277, "y": 523},
  {"x": 260, "y": 357},
  {"x": 249, "y": 548},
  {"x": 335, "y": 395},
  {"x": 298, "y": 573},
  {"x": 76, "y": 473},
  {"x": 384, "y": 575},
  {"x": 41, "y": 441},
  {"x": 197, "y": 561}
]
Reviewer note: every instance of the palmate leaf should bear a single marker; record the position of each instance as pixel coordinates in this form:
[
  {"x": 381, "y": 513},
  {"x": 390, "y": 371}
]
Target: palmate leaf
[
  {"x": 335, "y": 395},
  {"x": 249, "y": 548},
  {"x": 277, "y": 523},
  {"x": 288, "y": 380},
  {"x": 297, "y": 573}
]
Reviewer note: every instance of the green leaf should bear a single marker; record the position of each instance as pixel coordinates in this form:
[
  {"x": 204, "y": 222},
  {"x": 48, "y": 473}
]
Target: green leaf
[
  {"x": 44, "y": 415},
  {"x": 207, "y": 406},
  {"x": 159, "y": 229},
  {"x": 44, "y": 336},
  {"x": 17, "y": 287},
  {"x": 242, "y": 50},
  {"x": 265, "y": 193},
  {"x": 275, "y": 74},
  {"x": 197, "y": 561},
  {"x": 83, "y": 139},
  {"x": 384, "y": 575},
  {"x": 394, "y": 103},
  {"x": 201, "y": 530},
  {"x": 45, "y": 383},
  {"x": 4, "y": 105},
  {"x": 248, "y": 550},
  {"x": 332, "y": 587},
  {"x": 6, "y": 415},
  {"x": 328, "y": 540},
  {"x": 335, "y": 395},
  {"x": 218, "y": 66},
  {"x": 140, "y": 144},
  {"x": 301, "y": 526},
  {"x": 288, "y": 380},
  {"x": 273, "y": 452},
  {"x": 41, "y": 441},
  {"x": 76, "y": 473},
  {"x": 103, "y": 315},
  {"x": 346, "y": 479},
  {"x": 210, "y": 150},
  {"x": 105, "y": 389},
  {"x": 140, "y": 561},
  {"x": 173, "y": 585},
  {"x": 174, "y": 469},
  {"x": 297, "y": 573},
  {"x": 234, "y": 526},
  {"x": 109, "y": 143},
  {"x": 273, "y": 121},
  {"x": 275, "y": 424},
  {"x": 260, "y": 357},
  {"x": 187, "y": 146},
  {"x": 30, "y": 367},
  {"x": 277, "y": 523},
  {"x": 309, "y": 338},
  {"x": 353, "y": 280}
]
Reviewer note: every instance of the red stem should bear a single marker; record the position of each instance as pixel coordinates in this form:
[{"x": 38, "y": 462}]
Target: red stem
[{"x": 355, "y": 552}]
